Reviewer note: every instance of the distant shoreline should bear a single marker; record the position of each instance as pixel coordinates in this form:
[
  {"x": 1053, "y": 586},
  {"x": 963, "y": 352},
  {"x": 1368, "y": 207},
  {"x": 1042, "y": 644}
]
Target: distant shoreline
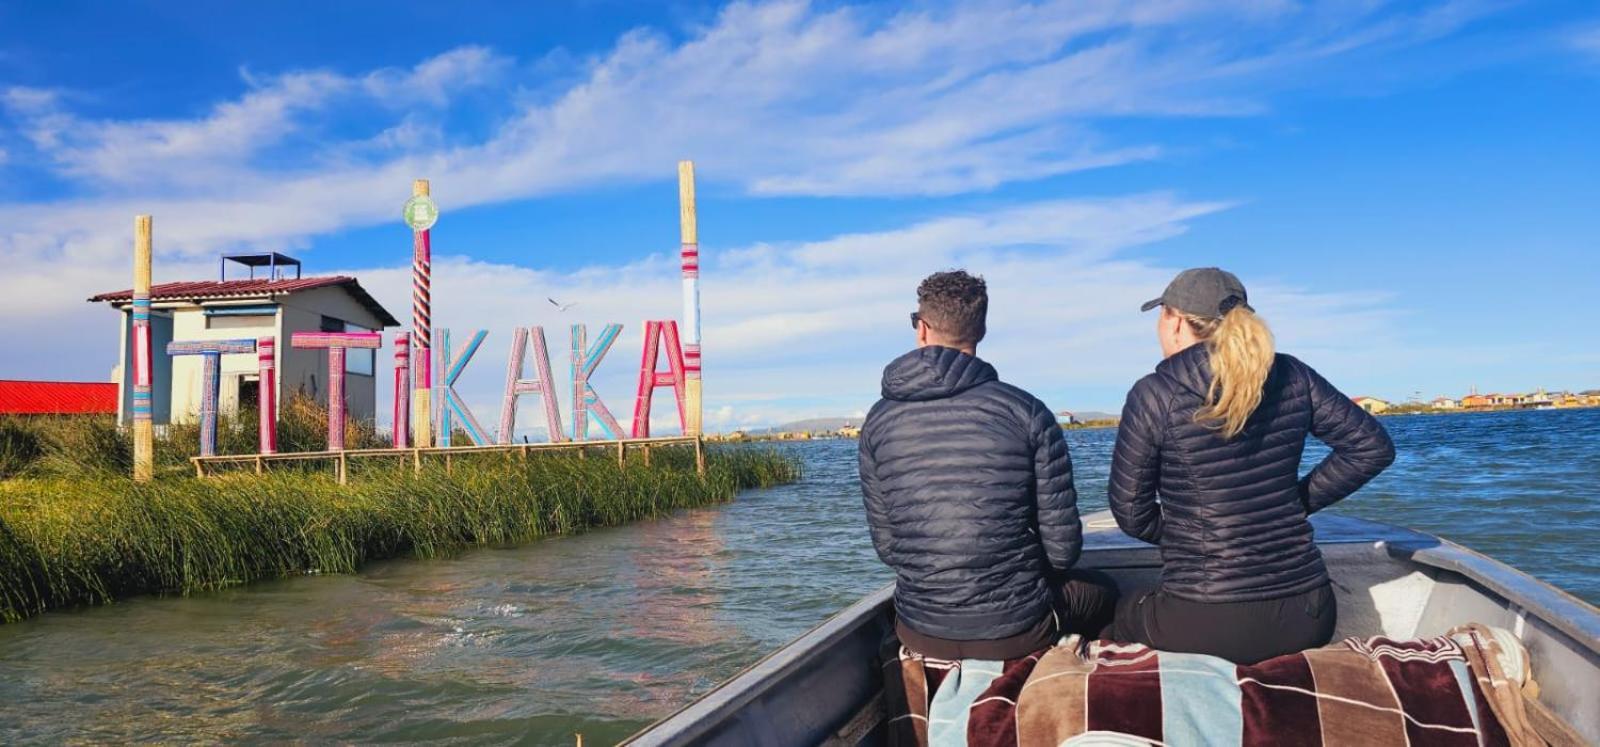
[
  {"x": 1426, "y": 410},
  {"x": 1398, "y": 411}
]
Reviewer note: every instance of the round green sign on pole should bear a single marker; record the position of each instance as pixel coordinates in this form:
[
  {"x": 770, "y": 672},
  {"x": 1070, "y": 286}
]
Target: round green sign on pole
[{"x": 420, "y": 213}]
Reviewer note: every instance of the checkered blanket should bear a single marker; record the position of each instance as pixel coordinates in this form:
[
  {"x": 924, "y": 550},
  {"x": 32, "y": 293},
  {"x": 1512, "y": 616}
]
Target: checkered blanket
[{"x": 1463, "y": 688}]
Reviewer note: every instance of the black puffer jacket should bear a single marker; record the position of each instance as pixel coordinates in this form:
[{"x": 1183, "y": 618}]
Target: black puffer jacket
[
  {"x": 969, "y": 495},
  {"x": 1231, "y": 521}
]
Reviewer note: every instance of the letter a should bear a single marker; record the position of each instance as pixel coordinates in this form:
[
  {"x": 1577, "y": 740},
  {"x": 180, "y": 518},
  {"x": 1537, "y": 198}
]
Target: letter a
[
  {"x": 543, "y": 386},
  {"x": 649, "y": 378}
]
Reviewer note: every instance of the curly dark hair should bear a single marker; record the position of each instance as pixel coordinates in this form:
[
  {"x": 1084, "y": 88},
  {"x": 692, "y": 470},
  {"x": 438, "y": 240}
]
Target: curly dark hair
[{"x": 956, "y": 305}]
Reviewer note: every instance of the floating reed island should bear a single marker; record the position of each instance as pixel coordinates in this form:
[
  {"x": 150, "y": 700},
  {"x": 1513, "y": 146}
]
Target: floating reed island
[{"x": 74, "y": 530}]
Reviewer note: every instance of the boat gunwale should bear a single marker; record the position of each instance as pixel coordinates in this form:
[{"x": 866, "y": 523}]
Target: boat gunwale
[
  {"x": 735, "y": 691},
  {"x": 1528, "y": 596},
  {"x": 1555, "y": 607}
]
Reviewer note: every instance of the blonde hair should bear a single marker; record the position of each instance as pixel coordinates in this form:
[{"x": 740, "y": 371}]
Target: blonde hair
[{"x": 1241, "y": 357}]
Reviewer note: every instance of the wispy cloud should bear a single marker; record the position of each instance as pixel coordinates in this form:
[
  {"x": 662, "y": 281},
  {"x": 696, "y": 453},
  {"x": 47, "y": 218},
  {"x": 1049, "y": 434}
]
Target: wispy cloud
[
  {"x": 1586, "y": 41},
  {"x": 797, "y": 330},
  {"x": 778, "y": 98}
]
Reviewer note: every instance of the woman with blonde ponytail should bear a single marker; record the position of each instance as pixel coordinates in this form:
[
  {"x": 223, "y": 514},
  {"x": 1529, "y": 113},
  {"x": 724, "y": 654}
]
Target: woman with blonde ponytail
[{"x": 1207, "y": 467}]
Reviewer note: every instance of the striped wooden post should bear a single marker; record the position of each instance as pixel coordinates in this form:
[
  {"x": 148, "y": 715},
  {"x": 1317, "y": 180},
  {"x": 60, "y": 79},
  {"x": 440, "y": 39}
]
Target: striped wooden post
[
  {"x": 143, "y": 428},
  {"x": 451, "y": 405},
  {"x": 649, "y": 378},
  {"x": 336, "y": 343},
  {"x": 422, "y": 325},
  {"x": 543, "y": 385},
  {"x": 210, "y": 352},
  {"x": 402, "y": 390},
  {"x": 267, "y": 397},
  {"x": 690, "y": 255},
  {"x": 584, "y": 398}
]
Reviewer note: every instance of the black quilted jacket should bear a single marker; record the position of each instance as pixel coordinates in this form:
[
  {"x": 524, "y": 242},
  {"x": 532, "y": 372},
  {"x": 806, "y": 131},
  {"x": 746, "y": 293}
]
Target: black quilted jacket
[
  {"x": 1231, "y": 520},
  {"x": 968, "y": 489}
]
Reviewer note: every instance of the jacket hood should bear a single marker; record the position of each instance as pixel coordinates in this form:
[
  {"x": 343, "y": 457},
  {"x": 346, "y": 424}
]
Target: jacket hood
[
  {"x": 1190, "y": 368},
  {"x": 934, "y": 372}
]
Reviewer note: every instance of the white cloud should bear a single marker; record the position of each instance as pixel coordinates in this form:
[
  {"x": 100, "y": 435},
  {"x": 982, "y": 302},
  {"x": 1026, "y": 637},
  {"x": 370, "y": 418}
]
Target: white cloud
[
  {"x": 1587, "y": 42},
  {"x": 219, "y": 148},
  {"x": 803, "y": 330},
  {"x": 779, "y": 97}
]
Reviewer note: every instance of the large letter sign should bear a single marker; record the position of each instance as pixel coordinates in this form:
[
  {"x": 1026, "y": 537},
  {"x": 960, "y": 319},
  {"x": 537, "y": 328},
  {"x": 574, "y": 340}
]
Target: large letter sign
[
  {"x": 449, "y": 403},
  {"x": 584, "y": 399},
  {"x": 543, "y": 386},
  {"x": 336, "y": 343},
  {"x": 402, "y": 390},
  {"x": 210, "y": 381},
  {"x": 655, "y": 333},
  {"x": 267, "y": 393}
]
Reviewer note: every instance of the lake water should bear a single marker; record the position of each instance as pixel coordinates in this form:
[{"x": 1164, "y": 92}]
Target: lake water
[{"x": 604, "y": 632}]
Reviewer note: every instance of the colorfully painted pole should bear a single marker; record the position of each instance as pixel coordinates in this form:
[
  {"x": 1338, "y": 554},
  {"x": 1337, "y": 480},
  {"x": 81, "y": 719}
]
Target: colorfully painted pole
[
  {"x": 691, "y": 298},
  {"x": 210, "y": 352},
  {"x": 422, "y": 325},
  {"x": 402, "y": 390},
  {"x": 336, "y": 343},
  {"x": 143, "y": 429},
  {"x": 267, "y": 396},
  {"x": 655, "y": 334},
  {"x": 585, "y": 399},
  {"x": 542, "y": 385}
]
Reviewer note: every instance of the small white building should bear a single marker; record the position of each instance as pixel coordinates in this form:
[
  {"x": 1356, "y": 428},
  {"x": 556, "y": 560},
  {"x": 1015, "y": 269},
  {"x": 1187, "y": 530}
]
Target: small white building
[
  {"x": 1371, "y": 404},
  {"x": 1445, "y": 403},
  {"x": 273, "y": 306}
]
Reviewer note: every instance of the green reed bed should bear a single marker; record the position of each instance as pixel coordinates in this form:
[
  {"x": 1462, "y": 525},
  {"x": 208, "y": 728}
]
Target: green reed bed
[{"x": 93, "y": 536}]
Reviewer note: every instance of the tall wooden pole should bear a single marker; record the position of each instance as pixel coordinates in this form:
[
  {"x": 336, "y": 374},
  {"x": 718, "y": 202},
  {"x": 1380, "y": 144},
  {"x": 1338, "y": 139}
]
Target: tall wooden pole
[
  {"x": 691, "y": 298},
  {"x": 421, "y": 328},
  {"x": 143, "y": 429}
]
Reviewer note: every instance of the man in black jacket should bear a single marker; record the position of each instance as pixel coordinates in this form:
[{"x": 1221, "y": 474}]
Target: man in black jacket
[{"x": 969, "y": 495}]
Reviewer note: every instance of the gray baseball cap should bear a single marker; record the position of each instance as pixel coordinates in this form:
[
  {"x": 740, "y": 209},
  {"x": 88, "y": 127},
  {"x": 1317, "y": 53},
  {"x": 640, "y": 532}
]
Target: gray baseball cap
[{"x": 1202, "y": 291}]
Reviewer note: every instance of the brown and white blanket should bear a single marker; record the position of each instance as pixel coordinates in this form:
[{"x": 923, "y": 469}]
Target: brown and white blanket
[{"x": 1463, "y": 688}]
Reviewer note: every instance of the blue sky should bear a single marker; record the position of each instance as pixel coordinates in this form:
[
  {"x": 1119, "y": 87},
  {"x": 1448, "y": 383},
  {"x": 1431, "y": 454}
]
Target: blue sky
[{"x": 1409, "y": 189}]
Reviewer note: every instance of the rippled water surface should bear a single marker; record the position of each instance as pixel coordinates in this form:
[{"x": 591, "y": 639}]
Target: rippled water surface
[{"x": 603, "y": 632}]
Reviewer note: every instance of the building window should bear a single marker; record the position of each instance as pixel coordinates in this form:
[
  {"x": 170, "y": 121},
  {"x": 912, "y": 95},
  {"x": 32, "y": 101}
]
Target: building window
[
  {"x": 360, "y": 362},
  {"x": 241, "y": 321}
]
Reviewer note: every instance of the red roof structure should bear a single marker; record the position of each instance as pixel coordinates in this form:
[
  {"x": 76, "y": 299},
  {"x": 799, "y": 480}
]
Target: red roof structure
[
  {"x": 207, "y": 290},
  {"x": 57, "y": 398}
]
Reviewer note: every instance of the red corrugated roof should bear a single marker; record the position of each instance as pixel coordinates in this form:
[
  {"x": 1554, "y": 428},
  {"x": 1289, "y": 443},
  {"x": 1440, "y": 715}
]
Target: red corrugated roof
[
  {"x": 57, "y": 398},
  {"x": 225, "y": 288},
  {"x": 201, "y": 290}
]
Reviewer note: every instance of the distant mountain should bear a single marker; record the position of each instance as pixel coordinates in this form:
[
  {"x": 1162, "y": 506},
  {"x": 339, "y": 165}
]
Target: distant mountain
[{"x": 814, "y": 425}]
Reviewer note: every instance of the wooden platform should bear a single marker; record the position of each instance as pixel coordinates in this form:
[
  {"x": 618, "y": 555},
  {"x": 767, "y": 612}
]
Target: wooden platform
[{"x": 341, "y": 459}]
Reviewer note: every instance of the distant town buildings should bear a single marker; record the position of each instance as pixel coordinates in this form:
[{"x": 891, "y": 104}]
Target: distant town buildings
[
  {"x": 1473, "y": 401},
  {"x": 1371, "y": 404}
]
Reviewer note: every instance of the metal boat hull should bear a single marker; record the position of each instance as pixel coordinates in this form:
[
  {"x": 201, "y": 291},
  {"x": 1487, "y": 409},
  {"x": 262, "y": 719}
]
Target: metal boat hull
[{"x": 824, "y": 686}]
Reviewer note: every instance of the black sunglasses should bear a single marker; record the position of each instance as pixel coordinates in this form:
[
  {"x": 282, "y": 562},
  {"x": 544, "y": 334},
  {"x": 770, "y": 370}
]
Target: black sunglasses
[{"x": 916, "y": 318}]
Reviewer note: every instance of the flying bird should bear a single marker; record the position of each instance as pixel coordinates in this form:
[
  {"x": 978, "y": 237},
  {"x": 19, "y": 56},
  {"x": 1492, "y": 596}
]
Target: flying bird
[{"x": 559, "y": 305}]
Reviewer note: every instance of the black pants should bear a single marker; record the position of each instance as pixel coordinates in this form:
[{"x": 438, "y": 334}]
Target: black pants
[
  {"x": 1241, "y": 632},
  {"x": 1084, "y": 602}
]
